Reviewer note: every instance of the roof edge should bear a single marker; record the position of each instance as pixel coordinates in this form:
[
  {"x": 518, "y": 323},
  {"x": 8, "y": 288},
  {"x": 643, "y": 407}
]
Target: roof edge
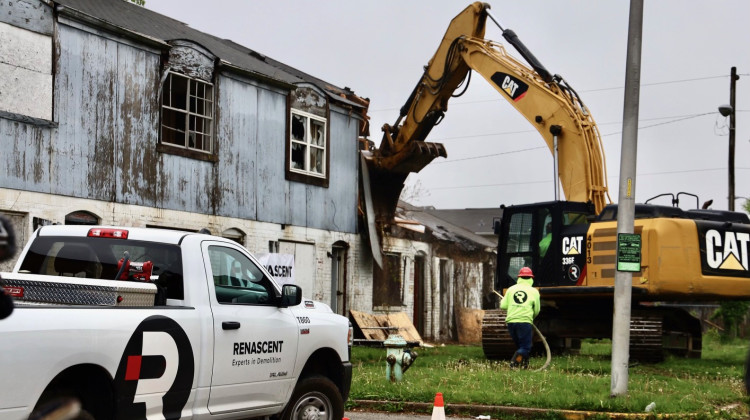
[{"x": 74, "y": 14}]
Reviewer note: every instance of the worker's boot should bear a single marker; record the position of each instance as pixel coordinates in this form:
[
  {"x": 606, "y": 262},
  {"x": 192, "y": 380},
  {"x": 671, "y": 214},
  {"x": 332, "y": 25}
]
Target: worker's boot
[
  {"x": 515, "y": 361},
  {"x": 525, "y": 362}
]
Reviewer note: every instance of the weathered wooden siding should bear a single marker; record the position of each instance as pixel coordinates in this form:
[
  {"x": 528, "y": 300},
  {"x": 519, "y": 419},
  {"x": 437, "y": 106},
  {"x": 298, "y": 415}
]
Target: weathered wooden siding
[
  {"x": 239, "y": 147},
  {"x": 268, "y": 163},
  {"x": 82, "y": 162},
  {"x": 104, "y": 148},
  {"x": 25, "y": 157},
  {"x": 137, "y": 165}
]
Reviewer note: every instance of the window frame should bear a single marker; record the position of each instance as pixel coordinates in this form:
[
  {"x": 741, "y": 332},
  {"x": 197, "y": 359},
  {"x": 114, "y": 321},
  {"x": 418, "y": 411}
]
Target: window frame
[
  {"x": 190, "y": 112},
  {"x": 305, "y": 175},
  {"x": 221, "y": 250}
]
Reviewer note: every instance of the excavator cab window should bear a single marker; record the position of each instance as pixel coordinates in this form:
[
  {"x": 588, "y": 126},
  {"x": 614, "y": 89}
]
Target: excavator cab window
[
  {"x": 517, "y": 246},
  {"x": 526, "y": 232},
  {"x": 548, "y": 237}
]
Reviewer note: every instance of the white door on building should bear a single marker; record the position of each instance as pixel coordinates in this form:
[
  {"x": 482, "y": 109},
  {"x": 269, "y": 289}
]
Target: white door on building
[{"x": 304, "y": 264}]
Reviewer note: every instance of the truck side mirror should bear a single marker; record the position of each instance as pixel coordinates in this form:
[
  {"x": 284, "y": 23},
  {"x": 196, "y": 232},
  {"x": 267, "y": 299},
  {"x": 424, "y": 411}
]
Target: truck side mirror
[{"x": 291, "y": 295}]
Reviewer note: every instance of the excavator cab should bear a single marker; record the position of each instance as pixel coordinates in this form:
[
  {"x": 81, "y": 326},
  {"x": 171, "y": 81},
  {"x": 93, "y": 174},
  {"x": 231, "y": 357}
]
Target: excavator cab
[{"x": 549, "y": 237}]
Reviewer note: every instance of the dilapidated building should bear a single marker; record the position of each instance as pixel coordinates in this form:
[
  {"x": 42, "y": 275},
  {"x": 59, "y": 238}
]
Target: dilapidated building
[
  {"x": 435, "y": 271},
  {"x": 113, "y": 114}
]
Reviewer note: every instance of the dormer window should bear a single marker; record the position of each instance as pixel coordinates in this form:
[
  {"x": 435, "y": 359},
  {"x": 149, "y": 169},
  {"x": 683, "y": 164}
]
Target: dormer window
[
  {"x": 308, "y": 145},
  {"x": 308, "y": 139},
  {"x": 187, "y": 94},
  {"x": 187, "y": 113}
]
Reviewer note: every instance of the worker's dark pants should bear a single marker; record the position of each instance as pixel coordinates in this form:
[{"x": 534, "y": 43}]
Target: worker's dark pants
[{"x": 521, "y": 333}]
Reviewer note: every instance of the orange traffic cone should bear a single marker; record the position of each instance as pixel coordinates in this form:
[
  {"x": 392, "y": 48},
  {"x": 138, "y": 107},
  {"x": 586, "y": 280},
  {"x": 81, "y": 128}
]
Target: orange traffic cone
[{"x": 438, "y": 411}]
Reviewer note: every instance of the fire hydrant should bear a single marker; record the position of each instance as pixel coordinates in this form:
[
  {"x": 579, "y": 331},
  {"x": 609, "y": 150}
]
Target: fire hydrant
[{"x": 398, "y": 357}]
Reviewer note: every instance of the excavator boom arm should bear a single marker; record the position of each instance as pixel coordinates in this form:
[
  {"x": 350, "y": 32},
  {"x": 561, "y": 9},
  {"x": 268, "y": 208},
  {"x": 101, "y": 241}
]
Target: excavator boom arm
[
  {"x": 546, "y": 101},
  {"x": 554, "y": 109}
]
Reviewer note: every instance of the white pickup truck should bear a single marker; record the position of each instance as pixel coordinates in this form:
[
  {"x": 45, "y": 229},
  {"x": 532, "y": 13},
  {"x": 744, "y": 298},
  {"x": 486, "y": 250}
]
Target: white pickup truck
[{"x": 140, "y": 323}]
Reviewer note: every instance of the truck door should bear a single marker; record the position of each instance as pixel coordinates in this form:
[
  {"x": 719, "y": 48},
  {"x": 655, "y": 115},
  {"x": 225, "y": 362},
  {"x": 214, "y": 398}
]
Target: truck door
[{"x": 255, "y": 342}]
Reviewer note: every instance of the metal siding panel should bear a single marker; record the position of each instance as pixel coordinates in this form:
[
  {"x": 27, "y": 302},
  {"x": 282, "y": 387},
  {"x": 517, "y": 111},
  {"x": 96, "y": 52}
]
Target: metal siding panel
[
  {"x": 136, "y": 162},
  {"x": 25, "y": 159},
  {"x": 86, "y": 97},
  {"x": 343, "y": 185},
  {"x": 237, "y": 143},
  {"x": 186, "y": 184},
  {"x": 319, "y": 206},
  {"x": 296, "y": 204},
  {"x": 270, "y": 158}
]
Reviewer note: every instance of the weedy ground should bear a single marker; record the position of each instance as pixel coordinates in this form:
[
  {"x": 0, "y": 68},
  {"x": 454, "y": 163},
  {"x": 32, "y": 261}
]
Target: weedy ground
[{"x": 710, "y": 387}]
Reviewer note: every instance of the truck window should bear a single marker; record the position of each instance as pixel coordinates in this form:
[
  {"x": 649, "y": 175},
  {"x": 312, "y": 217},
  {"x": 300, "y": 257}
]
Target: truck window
[
  {"x": 237, "y": 280},
  {"x": 97, "y": 258}
]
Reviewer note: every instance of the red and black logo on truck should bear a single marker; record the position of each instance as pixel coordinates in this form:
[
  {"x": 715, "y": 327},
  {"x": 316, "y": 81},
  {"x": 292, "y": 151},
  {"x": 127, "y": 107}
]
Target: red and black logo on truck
[{"x": 156, "y": 370}]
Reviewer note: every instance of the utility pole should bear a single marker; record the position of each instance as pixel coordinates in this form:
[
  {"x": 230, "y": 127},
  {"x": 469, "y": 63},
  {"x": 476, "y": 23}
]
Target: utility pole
[
  {"x": 732, "y": 85},
  {"x": 626, "y": 201}
]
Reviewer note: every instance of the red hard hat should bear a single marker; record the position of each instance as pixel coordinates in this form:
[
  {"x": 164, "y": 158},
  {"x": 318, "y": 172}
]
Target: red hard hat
[{"x": 526, "y": 272}]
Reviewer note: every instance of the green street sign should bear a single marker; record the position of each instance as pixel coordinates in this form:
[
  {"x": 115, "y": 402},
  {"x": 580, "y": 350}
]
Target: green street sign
[{"x": 628, "y": 252}]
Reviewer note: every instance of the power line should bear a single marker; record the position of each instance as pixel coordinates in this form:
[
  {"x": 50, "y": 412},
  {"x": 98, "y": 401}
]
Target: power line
[
  {"x": 507, "y": 133},
  {"x": 609, "y": 178},
  {"x": 689, "y": 117},
  {"x": 492, "y": 155},
  {"x": 668, "y": 82},
  {"x": 542, "y": 147}
]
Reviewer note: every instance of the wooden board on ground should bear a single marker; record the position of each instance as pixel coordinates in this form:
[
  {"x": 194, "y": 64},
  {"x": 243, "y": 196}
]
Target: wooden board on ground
[
  {"x": 469, "y": 325},
  {"x": 378, "y": 327}
]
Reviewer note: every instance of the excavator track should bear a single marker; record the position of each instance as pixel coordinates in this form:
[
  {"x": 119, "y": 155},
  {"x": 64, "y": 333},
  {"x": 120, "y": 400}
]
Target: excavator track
[
  {"x": 647, "y": 335},
  {"x": 646, "y": 338},
  {"x": 496, "y": 341}
]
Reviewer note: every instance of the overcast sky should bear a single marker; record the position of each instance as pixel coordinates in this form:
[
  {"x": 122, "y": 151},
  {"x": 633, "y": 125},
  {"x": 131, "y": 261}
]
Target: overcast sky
[{"x": 378, "y": 49}]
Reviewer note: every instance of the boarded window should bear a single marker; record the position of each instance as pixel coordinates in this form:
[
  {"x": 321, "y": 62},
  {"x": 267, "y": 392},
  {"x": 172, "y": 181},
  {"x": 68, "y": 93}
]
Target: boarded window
[
  {"x": 187, "y": 113},
  {"x": 386, "y": 284}
]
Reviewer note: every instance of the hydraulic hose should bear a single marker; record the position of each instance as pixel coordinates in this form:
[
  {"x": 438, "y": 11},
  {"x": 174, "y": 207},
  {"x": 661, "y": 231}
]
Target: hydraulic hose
[{"x": 544, "y": 340}]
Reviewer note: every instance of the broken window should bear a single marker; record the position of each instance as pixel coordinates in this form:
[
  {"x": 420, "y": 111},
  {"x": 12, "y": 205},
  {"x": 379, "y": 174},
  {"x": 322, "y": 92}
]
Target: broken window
[
  {"x": 308, "y": 144},
  {"x": 386, "y": 282},
  {"x": 187, "y": 112}
]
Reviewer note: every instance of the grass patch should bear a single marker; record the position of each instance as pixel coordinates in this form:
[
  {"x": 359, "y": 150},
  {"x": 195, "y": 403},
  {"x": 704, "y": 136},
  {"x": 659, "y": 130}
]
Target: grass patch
[{"x": 698, "y": 388}]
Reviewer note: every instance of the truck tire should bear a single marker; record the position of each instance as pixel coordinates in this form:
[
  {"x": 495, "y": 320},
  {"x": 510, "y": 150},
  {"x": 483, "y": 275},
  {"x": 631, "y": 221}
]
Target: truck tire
[{"x": 314, "y": 397}]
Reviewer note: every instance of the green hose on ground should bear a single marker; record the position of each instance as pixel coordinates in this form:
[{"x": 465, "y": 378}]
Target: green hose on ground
[{"x": 544, "y": 340}]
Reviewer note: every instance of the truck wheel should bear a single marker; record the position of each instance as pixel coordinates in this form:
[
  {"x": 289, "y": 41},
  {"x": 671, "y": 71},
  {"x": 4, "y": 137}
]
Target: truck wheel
[{"x": 314, "y": 398}]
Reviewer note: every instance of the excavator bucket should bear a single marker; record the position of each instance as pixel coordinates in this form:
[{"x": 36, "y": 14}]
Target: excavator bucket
[{"x": 382, "y": 186}]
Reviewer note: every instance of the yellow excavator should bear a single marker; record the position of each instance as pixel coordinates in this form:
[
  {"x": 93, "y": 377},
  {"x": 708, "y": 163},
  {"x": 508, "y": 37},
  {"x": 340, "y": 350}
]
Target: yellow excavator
[{"x": 687, "y": 256}]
